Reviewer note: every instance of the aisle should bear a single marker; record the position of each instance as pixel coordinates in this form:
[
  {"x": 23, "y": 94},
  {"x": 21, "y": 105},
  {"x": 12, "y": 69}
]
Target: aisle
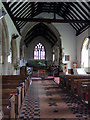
[{"x": 45, "y": 99}]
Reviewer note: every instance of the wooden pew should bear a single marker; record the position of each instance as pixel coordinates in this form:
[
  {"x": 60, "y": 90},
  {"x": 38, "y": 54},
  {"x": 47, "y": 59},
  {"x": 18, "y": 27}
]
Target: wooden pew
[
  {"x": 9, "y": 84},
  {"x": 74, "y": 82},
  {"x": 13, "y": 77},
  {"x": 89, "y": 97},
  {"x": 66, "y": 79},
  {"x": 83, "y": 88},
  {"x": 6, "y": 98},
  {"x": 9, "y": 92},
  {"x": 77, "y": 81}
]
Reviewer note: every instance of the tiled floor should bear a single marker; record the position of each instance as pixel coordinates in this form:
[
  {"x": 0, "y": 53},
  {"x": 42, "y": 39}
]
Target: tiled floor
[{"x": 45, "y": 100}]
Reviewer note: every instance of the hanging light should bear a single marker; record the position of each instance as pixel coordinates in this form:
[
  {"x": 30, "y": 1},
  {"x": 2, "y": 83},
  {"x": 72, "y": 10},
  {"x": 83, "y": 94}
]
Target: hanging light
[{"x": 2, "y": 13}]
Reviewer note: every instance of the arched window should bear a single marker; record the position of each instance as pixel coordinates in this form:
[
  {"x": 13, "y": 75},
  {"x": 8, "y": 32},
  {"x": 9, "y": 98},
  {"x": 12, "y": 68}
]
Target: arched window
[
  {"x": 85, "y": 53},
  {"x": 39, "y": 52},
  {"x": 53, "y": 55}
]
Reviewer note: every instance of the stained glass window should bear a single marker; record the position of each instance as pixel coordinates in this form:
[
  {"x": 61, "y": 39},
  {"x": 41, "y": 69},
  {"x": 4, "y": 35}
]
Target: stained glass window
[{"x": 39, "y": 52}]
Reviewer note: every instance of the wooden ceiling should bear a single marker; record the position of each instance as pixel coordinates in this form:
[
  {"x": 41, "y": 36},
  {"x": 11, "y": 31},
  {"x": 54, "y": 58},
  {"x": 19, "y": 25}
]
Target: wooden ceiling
[
  {"x": 41, "y": 30},
  {"x": 75, "y": 13}
]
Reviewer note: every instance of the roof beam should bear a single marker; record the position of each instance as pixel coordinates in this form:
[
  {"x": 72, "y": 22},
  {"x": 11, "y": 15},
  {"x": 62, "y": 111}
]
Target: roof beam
[
  {"x": 83, "y": 10},
  {"x": 35, "y": 35},
  {"x": 82, "y": 29},
  {"x": 20, "y": 8},
  {"x": 87, "y": 7},
  {"x": 40, "y": 32},
  {"x": 27, "y": 6},
  {"x": 16, "y": 7},
  {"x": 68, "y": 13},
  {"x": 50, "y": 20},
  {"x": 79, "y": 10},
  {"x": 14, "y": 3}
]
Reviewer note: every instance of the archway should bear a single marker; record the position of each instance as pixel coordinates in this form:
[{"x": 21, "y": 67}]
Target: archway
[
  {"x": 85, "y": 50},
  {"x": 49, "y": 26}
]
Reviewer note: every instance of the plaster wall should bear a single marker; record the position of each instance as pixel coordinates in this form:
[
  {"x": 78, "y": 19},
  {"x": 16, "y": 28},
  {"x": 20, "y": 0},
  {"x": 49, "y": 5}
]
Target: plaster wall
[{"x": 68, "y": 40}]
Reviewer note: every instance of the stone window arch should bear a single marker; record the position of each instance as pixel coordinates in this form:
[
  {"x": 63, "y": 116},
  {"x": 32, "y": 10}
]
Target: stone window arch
[{"x": 85, "y": 53}]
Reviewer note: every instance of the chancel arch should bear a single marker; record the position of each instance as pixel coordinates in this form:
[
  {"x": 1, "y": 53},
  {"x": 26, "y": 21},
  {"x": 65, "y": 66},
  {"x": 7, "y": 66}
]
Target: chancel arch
[{"x": 45, "y": 30}]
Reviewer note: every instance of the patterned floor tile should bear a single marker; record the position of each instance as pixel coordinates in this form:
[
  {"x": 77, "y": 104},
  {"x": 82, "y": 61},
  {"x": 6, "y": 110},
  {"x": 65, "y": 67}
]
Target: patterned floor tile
[{"x": 45, "y": 100}]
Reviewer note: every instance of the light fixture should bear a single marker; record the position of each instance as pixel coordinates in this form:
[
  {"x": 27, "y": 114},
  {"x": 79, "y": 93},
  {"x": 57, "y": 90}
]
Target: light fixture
[{"x": 2, "y": 13}]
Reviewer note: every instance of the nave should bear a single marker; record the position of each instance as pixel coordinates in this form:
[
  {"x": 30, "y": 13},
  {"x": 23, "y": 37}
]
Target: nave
[
  {"x": 45, "y": 99},
  {"x": 52, "y": 40}
]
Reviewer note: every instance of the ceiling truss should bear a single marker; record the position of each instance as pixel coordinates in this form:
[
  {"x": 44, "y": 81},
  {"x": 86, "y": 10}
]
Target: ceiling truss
[{"x": 74, "y": 13}]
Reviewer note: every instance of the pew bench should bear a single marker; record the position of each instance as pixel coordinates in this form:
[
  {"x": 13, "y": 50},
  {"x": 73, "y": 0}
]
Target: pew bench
[
  {"x": 84, "y": 92},
  {"x": 65, "y": 80},
  {"x": 13, "y": 93},
  {"x": 74, "y": 83},
  {"x": 6, "y": 100},
  {"x": 77, "y": 85}
]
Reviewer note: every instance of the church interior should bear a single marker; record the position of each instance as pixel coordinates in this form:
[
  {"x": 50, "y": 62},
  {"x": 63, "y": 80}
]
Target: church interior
[{"x": 45, "y": 60}]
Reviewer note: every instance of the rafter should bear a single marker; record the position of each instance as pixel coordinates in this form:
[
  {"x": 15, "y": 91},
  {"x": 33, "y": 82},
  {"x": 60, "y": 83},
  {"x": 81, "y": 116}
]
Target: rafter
[
  {"x": 77, "y": 14},
  {"x": 69, "y": 14},
  {"x": 20, "y": 8},
  {"x": 16, "y": 7},
  {"x": 82, "y": 29},
  {"x": 50, "y": 20},
  {"x": 40, "y": 30},
  {"x": 35, "y": 35},
  {"x": 83, "y": 10},
  {"x": 79, "y": 10}
]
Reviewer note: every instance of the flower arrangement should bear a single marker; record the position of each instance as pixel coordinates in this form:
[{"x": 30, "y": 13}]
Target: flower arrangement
[{"x": 62, "y": 67}]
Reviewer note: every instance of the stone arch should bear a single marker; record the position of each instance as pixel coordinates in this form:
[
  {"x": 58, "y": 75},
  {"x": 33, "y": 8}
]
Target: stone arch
[
  {"x": 87, "y": 42},
  {"x": 51, "y": 26},
  {"x": 5, "y": 48}
]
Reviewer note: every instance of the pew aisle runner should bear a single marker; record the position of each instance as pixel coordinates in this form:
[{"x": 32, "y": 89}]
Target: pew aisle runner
[{"x": 45, "y": 99}]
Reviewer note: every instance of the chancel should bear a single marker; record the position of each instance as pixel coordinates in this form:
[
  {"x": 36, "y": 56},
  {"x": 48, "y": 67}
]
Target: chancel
[{"x": 45, "y": 60}]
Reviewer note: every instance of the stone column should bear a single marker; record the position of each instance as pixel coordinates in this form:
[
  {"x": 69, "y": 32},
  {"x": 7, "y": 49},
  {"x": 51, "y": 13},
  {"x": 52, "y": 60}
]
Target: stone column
[
  {"x": 1, "y": 68},
  {"x": 60, "y": 49}
]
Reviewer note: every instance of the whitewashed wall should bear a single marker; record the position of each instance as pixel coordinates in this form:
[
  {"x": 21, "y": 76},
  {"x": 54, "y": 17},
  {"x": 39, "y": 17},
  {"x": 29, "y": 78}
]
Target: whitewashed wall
[{"x": 68, "y": 39}]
